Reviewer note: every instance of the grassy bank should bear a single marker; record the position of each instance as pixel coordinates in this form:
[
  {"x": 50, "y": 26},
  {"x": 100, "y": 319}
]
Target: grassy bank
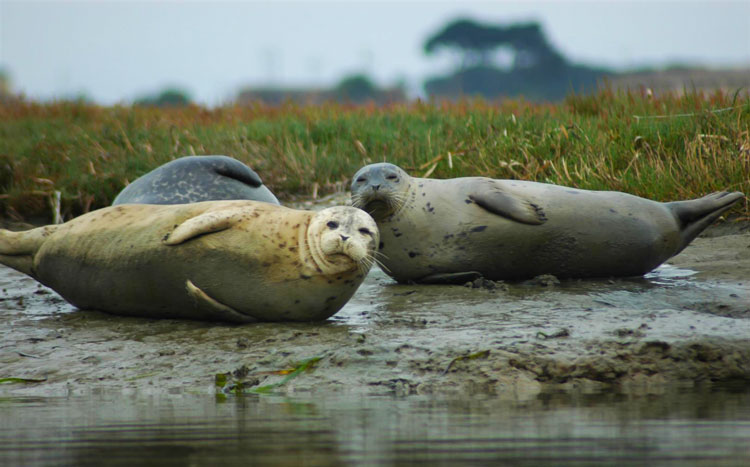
[{"x": 665, "y": 148}]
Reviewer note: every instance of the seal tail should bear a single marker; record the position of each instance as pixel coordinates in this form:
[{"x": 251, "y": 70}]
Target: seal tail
[
  {"x": 695, "y": 215},
  {"x": 17, "y": 249}
]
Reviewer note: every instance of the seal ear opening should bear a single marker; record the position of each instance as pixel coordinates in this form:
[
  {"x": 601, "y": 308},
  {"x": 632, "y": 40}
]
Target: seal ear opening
[{"x": 208, "y": 222}]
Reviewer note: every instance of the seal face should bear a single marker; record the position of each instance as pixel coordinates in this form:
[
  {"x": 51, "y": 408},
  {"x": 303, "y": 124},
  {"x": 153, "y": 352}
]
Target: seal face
[
  {"x": 238, "y": 261},
  {"x": 192, "y": 179},
  {"x": 458, "y": 229},
  {"x": 383, "y": 188},
  {"x": 337, "y": 236}
]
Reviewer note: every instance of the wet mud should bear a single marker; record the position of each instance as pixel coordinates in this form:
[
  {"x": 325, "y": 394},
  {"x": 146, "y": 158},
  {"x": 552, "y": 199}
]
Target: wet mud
[{"x": 686, "y": 323}]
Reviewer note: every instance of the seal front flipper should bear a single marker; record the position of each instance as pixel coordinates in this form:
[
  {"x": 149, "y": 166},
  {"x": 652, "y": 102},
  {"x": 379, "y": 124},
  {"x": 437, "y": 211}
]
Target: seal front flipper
[
  {"x": 507, "y": 205},
  {"x": 208, "y": 222},
  {"x": 448, "y": 278},
  {"x": 214, "y": 309}
]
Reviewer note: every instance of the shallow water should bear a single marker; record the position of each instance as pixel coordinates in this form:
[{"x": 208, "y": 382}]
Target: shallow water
[{"x": 703, "y": 427}]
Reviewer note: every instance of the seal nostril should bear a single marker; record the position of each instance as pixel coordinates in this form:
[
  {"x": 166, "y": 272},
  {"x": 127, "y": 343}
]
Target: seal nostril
[
  {"x": 344, "y": 237},
  {"x": 376, "y": 187}
]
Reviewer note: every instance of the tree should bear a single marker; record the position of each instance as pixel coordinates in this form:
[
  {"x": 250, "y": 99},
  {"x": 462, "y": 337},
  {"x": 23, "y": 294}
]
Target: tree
[
  {"x": 356, "y": 88},
  {"x": 170, "y": 97},
  {"x": 538, "y": 70},
  {"x": 477, "y": 41}
]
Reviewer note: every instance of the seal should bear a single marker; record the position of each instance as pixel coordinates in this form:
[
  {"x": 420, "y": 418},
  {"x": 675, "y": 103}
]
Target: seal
[
  {"x": 237, "y": 261},
  {"x": 193, "y": 179},
  {"x": 455, "y": 230}
]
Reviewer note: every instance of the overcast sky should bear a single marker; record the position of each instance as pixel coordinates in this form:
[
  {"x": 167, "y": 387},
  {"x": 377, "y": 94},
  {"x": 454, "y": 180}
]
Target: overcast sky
[{"x": 113, "y": 51}]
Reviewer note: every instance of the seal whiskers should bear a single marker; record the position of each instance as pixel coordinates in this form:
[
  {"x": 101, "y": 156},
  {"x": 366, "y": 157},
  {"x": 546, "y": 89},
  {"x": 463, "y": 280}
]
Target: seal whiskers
[
  {"x": 370, "y": 260},
  {"x": 380, "y": 261}
]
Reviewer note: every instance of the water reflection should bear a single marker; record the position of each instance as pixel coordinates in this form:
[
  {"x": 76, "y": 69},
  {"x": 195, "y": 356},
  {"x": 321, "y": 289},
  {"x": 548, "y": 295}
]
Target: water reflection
[{"x": 695, "y": 425}]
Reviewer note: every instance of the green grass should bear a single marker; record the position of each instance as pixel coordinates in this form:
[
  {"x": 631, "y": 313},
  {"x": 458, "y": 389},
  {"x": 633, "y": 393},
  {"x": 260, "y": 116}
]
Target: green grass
[{"x": 89, "y": 153}]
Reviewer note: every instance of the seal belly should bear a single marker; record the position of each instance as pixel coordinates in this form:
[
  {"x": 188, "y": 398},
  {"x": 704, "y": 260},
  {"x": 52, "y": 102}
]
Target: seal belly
[{"x": 115, "y": 276}]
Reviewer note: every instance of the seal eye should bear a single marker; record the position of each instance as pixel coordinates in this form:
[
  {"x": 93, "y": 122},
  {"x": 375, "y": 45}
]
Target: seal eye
[
  {"x": 365, "y": 231},
  {"x": 332, "y": 225},
  {"x": 392, "y": 177},
  {"x": 362, "y": 179}
]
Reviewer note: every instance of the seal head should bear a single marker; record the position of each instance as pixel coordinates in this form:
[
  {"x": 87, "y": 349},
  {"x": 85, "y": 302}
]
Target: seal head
[
  {"x": 341, "y": 238},
  {"x": 380, "y": 189}
]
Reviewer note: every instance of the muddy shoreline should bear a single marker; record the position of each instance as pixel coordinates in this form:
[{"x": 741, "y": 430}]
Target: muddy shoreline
[{"x": 687, "y": 323}]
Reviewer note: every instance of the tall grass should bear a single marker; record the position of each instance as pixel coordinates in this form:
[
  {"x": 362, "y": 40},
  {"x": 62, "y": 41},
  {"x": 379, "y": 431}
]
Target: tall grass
[{"x": 665, "y": 148}]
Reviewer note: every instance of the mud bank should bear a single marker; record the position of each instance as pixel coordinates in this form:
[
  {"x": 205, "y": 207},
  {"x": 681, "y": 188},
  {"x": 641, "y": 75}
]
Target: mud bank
[{"x": 687, "y": 323}]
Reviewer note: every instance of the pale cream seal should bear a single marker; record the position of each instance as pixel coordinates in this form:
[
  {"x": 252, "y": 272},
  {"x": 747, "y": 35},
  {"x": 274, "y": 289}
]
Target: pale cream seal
[{"x": 237, "y": 261}]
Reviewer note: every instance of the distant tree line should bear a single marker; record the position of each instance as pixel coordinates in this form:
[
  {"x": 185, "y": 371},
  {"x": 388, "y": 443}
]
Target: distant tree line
[
  {"x": 538, "y": 70},
  {"x": 355, "y": 89},
  {"x": 169, "y": 97}
]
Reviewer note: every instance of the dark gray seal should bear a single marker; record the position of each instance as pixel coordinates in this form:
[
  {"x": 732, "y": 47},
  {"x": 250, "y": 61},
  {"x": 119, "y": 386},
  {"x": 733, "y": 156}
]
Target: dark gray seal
[
  {"x": 192, "y": 179},
  {"x": 458, "y": 229}
]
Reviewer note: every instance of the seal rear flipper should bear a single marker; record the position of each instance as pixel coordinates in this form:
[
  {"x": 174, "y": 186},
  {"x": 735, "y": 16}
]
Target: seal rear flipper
[
  {"x": 213, "y": 309},
  {"x": 208, "y": 222},
  {"x": 232, "y": 168},
  {"x": 17, "y": 249},
  {"x": 695, "y": 215},
  {"x": 454, "y": 278},
  {"x": 20, "y": 263},
  {"x": 509, "y": 206}
]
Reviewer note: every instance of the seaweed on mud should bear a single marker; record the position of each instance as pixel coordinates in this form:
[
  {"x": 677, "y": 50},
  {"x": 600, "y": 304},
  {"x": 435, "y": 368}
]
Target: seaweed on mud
[
  {"x": 471, "y": 356},
  {"x": 564, "y": 332},
  {"x": 22, "y": 380},
  {"x": 226, "y": 384}
]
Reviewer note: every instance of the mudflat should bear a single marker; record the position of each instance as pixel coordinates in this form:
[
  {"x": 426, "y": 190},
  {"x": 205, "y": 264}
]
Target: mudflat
[{"x": 687, "y": 323}]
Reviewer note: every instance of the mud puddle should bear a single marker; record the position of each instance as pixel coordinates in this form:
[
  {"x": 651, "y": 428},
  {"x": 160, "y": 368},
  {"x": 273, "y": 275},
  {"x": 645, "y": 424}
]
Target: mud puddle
[{"x": 687, "y": 323}]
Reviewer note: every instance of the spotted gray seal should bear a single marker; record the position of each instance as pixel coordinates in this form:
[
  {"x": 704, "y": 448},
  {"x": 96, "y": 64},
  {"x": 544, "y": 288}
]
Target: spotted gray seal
[
  {"x": 193, "y": 179},
  {"x": 457, "y": 229},
  {"x": 237, "y": 261}
]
